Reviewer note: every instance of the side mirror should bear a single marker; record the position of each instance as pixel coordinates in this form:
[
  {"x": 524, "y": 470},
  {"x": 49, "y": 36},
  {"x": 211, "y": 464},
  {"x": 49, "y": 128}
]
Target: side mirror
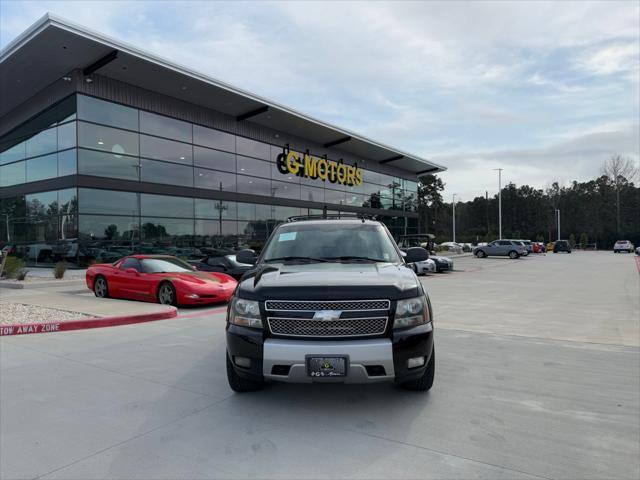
[
  {"x": 132, "y": 271},
  {"x": 416, "y": 254},
  {"x": 247, "y": 256}
]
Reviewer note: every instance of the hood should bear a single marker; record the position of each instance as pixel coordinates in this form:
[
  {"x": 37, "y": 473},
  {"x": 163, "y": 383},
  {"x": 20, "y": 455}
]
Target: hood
[
  {"x": 332, "y": 281},
  {"x": 198, "y": 278},
  {"x": 439, "y": 258}
]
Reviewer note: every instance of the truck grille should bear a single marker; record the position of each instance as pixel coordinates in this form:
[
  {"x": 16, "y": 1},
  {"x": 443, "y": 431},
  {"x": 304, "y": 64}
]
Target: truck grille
[
  {"x": 321, "y": 319},
  {"x": 310, "y": 306},
  {"x": 352, "y": 327}
]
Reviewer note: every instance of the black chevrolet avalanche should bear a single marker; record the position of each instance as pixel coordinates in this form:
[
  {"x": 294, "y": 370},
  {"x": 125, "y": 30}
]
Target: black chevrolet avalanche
[{"x": 330, "y": 300}]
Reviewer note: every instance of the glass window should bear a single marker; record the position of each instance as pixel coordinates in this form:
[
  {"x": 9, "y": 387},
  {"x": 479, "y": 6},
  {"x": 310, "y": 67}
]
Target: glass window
[
  {"x": 287, "y": 177},
  {"x": 166, "y": 206},
  {"x": 334, "y": 196},
  {"x": 108, "y": 139},
  {"x": 282, "y": 213},
  {"x": 12, "y": 174},
  {"x": 246, "y": 211},
  {"x": 217, "y": 234},
  {"x": 285, "y": 190},
  {"x": 107, "y": 113},
  {"x": 252, "y": 148},
  {"x": 161, "y": 149},
  {"x": 13, "y": 153},
  {"x": 205, "y": 157},
  {"x": 108, "y": 201},
  {"x": 103, "y": 164},
  {"x": 44, "y": 142},
  {"x": 166, "y": 127},
  {"x": 169, "y": 231},
  {"x": 67, "y": 162},
  {"x": 355, "y": 199},
  {"x": 214, "y": 138},
  {"x": 256, "y": 186},
  {"x": 67, "y": 201},
  {"x": 251, "y": 166},
  {"x": 111, "y": 228},
  {"x": 40, "y": 168},
  {"x": 162, "y": 172},
  {"x": 42, "y": 204},
  {"x": 67, "y": 136},
  {"x": 215, "y": 180},
  {"x": 131, "y": 263},
  {"x": 207, "y": 208},
  {"x": 312, "y": 194}
]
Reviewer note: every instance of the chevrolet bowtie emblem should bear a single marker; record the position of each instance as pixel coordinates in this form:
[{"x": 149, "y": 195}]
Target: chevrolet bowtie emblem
[{"x": 327, "y": 315}]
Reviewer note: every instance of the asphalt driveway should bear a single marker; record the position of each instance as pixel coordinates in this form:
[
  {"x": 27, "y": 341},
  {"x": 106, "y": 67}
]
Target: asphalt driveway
[{"x": 509, "y": 400}]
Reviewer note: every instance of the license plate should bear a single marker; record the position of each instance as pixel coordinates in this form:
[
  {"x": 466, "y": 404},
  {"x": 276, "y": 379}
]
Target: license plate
[{"x": 327, "y": 366}]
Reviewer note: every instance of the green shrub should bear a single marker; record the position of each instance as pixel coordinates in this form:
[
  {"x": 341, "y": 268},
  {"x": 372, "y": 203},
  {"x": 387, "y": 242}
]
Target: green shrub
[
  {"x": 59, "y": 269},
  {"x": 22, "y": 274},
  {"x": 12, "y": 266},
  {"x": 584, "y": 240},
  {"x": 572, "y": 240}
]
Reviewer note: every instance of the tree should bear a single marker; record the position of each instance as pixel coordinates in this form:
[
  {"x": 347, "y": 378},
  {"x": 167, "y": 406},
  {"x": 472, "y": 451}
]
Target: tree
[
  {"x": 584, "y": 240},
  {"x": 572, "y": 240},
  {"x": 620, "y": 170},
  {"x": 429, "y": 202},
  {"x": 111, "y": 232}
]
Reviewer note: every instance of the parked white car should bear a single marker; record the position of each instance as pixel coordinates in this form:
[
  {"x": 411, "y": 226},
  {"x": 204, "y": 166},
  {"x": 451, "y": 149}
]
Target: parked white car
[
  {"x": 623, "y": 246},
  {"x": 452, "y": 247},
  {"x": 424, "y": 267}
]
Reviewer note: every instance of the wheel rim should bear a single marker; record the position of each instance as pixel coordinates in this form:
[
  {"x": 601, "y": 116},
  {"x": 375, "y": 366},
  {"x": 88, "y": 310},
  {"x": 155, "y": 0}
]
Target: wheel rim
[
  {"x": 100, "y": 287},
  {"x": 512, "y": 255},
  {"x": 166, "y": 295}
]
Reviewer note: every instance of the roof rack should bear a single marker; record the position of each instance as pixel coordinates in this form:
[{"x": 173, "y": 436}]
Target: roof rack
[{"x": 332, "y": 216}]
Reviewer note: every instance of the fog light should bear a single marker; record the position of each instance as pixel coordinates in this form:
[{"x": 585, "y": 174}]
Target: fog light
[
  {"x": 192, "y": 295},
  {"x": 415, "y": 362},
  {"x": 243, "y": 362}
]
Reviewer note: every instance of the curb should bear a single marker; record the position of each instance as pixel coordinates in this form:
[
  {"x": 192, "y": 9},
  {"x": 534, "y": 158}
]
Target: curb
[
  {"x": 14, "y": 286},
  {"x": 25, "y": 329}
]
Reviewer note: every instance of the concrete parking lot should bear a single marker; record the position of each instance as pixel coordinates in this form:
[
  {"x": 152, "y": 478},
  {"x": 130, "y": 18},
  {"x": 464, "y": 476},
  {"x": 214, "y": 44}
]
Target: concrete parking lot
[{"x": 537, "y": 376}]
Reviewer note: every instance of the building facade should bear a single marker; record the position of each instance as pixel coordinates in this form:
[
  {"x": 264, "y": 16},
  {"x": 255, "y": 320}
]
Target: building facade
[{"x": 101, "y": 161}]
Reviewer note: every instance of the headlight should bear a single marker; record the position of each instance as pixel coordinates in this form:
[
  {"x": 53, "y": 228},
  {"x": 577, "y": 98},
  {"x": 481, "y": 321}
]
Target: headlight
[
  {"x": 411, "y": 312},
  {"x": 245, "y": 313}
]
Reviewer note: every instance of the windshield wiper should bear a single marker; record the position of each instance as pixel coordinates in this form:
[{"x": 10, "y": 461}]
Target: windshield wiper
[
  {"x": 291, "y": 258},
  {"x": 346, "y": 258}
]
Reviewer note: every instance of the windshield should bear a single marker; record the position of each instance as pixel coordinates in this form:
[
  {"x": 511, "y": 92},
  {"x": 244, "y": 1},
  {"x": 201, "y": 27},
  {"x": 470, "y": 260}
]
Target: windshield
[
  {"x": 164, "y": 265},
  {"x": 331, "y": 241}
]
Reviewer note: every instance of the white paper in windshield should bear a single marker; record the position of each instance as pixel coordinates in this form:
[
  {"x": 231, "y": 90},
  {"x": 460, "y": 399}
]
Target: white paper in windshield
[{"x": 287, "y": 237}]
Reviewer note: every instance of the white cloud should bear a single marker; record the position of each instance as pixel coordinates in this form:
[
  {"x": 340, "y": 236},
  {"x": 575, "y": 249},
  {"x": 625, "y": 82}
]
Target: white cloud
[
  {"x": 611, "y": 59},
  {"x": 472, "y": 83}
]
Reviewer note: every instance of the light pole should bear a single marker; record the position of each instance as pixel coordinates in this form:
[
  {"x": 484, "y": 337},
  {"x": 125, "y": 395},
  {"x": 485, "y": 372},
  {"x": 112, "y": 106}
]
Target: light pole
[
  {"x": 454, "y": 217},
  {"x": 558, "y": 218},
  {"x": 499, "y": 201}
]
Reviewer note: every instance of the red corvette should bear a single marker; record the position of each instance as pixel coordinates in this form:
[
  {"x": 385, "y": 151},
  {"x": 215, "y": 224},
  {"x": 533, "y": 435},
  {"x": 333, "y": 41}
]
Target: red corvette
[{"x": 159, "y": 278}]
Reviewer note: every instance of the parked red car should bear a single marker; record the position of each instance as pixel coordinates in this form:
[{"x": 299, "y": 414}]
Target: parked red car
[{"x": 159, "y": 278}]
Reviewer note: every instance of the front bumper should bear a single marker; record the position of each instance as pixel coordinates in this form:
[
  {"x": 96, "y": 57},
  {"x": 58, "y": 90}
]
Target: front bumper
[{"x": 369, "y": 360}]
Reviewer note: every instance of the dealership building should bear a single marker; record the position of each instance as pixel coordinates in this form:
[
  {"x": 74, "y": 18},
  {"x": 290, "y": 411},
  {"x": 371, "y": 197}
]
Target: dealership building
[{"x": 107, "y": 150}]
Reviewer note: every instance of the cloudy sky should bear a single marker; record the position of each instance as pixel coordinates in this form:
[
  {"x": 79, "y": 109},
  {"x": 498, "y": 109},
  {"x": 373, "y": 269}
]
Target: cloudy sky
[{"x": 546, "y": 91}]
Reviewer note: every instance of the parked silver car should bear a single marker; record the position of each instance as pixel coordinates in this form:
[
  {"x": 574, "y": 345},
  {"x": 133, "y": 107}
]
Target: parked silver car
[{"x": 504, "y": 248}]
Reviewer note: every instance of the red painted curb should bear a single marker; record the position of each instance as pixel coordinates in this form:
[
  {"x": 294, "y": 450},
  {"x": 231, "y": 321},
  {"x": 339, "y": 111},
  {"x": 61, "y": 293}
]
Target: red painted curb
[
  {"x": 638, "y": 262},
  {"x": 6, "y": 330}
]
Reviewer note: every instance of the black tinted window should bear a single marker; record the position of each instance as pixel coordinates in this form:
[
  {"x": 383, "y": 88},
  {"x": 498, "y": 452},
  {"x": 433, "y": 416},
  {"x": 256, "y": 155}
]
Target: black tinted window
[{"x": 131, "y": 263}]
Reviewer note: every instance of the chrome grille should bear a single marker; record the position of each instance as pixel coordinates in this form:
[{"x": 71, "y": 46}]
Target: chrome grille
[
  {"x": 306, "y": 306},
  {"x": 352, "y": 327}
]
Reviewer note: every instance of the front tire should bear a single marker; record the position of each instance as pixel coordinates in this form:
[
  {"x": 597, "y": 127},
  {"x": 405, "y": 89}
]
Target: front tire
[
  {"x": 425, "y": 382},
  {"x": 101, "y": 287},
  {"x": 480, "y": 254},
  {"x": 239, "y": 384},
  {"x": 513, "y": 255},
  {"x": 167, "y": 294}
]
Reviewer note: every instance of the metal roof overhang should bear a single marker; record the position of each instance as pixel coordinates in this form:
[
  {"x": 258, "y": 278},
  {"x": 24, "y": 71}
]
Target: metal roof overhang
[{"x": 52, "y": 47}]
